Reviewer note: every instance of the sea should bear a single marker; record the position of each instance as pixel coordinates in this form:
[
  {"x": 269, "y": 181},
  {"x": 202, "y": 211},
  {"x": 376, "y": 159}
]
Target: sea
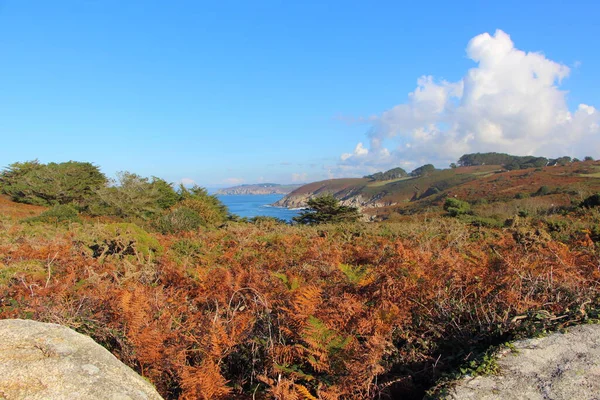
[{"x": 257, "y": 205}]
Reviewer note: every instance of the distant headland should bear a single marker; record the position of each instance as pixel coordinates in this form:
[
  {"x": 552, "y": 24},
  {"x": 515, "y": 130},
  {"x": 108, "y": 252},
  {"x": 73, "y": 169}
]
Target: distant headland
[{"x": 259, "y": 188}]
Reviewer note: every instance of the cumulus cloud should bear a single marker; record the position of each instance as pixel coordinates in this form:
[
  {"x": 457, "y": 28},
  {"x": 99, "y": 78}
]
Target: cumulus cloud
[
  {"x": 510, "y": 102},
  {"x": 233, "y": 181},
  {"x": 187, "y": 181},
  {"x": 359, "y": 151}
]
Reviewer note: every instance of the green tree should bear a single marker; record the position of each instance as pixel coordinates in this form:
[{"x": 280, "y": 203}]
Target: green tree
[
  {"x": 327, "y": 209},
  {"x": 51, "y": 184},
  {"x": 393, "y": 173},
  {"x": 167, "y": 196},
  {"x": 211, "y": 210},
  {"x": 131, "y": 196},
  {"x": 423, "y": 170}
]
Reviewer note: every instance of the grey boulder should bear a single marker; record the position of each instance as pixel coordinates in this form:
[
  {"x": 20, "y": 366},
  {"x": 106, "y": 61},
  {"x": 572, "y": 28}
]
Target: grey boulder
[
  {"x": 49, "y": 361},
  {"x": 557, "y": 367}
]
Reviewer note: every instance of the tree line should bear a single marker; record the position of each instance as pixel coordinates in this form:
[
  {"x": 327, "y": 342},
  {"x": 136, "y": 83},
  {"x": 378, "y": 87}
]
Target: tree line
[
  {"x": 80, "y": 187},
  {"x": 511, "y": 162},
  {"x": 507, "y": 161},
  {"x": 73, "y": 187}
]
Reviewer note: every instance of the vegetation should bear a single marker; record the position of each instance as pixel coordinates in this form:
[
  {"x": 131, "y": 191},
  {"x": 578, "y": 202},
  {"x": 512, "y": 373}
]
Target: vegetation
[
  {"x": 511, "y": 162},
  {"x": 394, "y": 173},
  {"x": 423, "y": 170},
  {"x": 508, "y": 161},
  {"x": 456, "y": 207},
  {"x": 135, "y": 196},
  {"x": 61, "y": 213},
  {"x": 210, "y": 209},
  {"x": 327, "y": 209},
  {"x": 51, "y": 184},
  {"x": 206, "y": 305},
  {"x": 73, "y": 187}
]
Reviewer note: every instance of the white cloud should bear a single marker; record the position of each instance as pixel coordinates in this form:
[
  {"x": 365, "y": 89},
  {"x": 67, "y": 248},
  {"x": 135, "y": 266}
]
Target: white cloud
[
  {"x": 299, "y": 177},
  {"x": 187, "y": 181},
  {"x": 359, "y": 151},
  {"x": 510, "y": 102},
  {"x": 233, "y": 181}
]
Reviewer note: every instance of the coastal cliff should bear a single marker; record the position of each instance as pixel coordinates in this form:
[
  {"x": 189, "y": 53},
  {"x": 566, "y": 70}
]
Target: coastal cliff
[{"x": 350, "y": 192}]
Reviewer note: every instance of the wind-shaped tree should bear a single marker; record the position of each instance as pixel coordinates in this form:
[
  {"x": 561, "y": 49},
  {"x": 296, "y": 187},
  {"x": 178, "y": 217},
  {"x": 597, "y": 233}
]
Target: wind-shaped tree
[{"x": 327, "y": 209}]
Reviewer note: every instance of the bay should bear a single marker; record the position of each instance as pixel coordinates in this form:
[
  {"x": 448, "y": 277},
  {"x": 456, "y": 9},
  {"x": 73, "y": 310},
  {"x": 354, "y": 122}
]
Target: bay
[{"x": 257, "y": 205}]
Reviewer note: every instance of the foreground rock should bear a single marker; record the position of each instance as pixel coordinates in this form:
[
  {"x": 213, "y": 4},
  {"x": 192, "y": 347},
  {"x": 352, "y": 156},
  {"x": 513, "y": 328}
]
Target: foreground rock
[
  {"x": 557, "y": 367},
  {"x": 49, "y": 361}
]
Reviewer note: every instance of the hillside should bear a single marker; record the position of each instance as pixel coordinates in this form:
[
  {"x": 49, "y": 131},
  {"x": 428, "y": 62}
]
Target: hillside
[
  {"x": 259, "y": 188},
  {"x": 472, "y": 183}
]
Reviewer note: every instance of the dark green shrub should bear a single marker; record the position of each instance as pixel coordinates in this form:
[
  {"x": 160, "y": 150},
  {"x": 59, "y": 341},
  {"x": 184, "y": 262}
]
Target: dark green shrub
[
  {"x": 556, "y": 225},
  {"x": 456, "y": 207},
  {"x": 543, "y": 191},
  {"x": 181, "y": 219},
  {"x": 484, "y": 222},
  {"x": 592, "y": 201},
  {"x": 58, "y": 214},
  {"x": 262, "y": 220},
  {"x": 522, "y": 195}
]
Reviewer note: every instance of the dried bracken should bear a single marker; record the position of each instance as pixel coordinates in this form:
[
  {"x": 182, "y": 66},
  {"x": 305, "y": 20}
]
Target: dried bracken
[{"x": 287, "y": 312}]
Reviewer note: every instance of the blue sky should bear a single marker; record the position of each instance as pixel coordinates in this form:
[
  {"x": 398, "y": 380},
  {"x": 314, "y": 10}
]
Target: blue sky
[{"x": 248, "y": 91}]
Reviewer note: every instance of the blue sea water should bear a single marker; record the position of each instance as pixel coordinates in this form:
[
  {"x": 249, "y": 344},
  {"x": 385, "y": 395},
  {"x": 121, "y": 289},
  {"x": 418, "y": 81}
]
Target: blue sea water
[{"x": 257, "y": 205}]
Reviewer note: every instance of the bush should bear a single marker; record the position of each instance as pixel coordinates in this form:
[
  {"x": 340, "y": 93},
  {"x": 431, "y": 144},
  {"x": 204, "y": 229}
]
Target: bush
[
  {"x": 264, "y": 221},
  {"x": 592, "y": 201},
  {"x": 484, "y": 222},
  {"x": 523, "y": 213},
  {"x": 57, "y": 214},
  {"x": 181, "y": 219},
  {"x": 456, "y": 207},
  {"x": 543, "y": 191}
]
